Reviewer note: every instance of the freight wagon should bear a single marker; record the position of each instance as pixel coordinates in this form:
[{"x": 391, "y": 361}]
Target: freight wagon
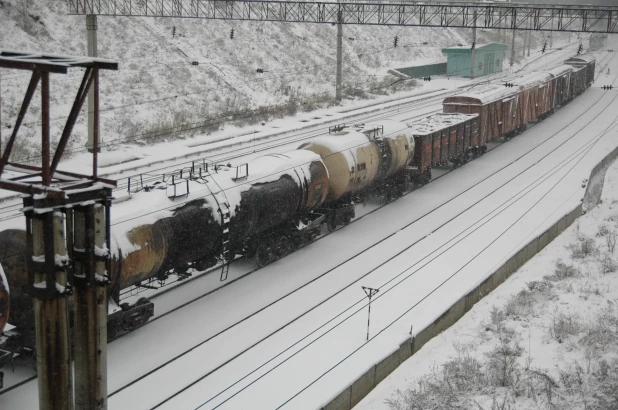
[
  {"x": 441, "y": 139},
  {"x": 582, "y": 76}
]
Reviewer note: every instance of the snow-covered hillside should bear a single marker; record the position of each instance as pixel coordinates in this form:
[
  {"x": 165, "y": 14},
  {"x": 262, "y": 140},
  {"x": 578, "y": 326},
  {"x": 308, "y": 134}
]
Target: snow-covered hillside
[{"x": 157, "y": 89}]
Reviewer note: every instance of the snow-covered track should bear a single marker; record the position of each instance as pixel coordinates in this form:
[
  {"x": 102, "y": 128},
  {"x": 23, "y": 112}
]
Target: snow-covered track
[{"x": 555, "y": 169}]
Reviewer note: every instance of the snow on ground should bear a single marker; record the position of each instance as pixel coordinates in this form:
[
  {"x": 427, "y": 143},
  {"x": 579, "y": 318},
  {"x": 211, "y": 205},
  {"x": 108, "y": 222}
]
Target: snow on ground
[
  {"x": 546, "y": 338},
  {"x": 258, "y": 342}
]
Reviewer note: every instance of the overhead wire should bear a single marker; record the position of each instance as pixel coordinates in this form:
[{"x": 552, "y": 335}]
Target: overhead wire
[{"x": 586, "y": 148}]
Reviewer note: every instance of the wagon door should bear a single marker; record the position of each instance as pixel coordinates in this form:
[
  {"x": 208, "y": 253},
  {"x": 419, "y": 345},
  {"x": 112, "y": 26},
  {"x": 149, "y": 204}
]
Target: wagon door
[{"x": 452, "y": 143}]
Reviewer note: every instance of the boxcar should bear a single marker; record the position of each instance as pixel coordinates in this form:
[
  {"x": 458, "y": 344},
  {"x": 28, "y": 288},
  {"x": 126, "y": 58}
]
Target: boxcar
[
  {"x": 583, "y": 73},
  {"x": 535, "y": 98},
  {"x": 494, "y": 105},
  {"x": 440, "y": 139},
  {"x": 561, "y": 85}
]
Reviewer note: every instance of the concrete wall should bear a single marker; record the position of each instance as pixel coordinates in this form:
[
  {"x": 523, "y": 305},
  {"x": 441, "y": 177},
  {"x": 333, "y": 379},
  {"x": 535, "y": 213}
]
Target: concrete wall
[
  {"x": 423, "y": 70},
  {"x": 354, "y": 393},
  {"x": 594, "y": 189}
]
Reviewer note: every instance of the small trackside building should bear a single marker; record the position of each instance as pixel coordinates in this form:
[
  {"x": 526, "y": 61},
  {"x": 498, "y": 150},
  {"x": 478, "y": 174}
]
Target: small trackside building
[{"x": 488, "y": 59}]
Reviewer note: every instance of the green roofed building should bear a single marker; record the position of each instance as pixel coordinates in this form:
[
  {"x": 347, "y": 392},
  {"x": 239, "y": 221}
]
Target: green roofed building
[{"x": 488, "y": 59}]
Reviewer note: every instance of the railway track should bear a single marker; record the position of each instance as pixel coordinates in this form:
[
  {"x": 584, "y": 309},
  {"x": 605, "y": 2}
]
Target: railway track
[
  {"x": 381, "y": 115},
  {"x": 537, "y": 181}
]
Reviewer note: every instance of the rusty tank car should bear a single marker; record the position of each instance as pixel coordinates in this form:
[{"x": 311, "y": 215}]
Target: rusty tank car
[
  {"x": 362, "y": 159},
  {"x": 266, "y": 213}
]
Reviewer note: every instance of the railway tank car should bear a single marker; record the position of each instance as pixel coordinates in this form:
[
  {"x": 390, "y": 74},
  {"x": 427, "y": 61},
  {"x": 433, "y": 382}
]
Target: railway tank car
[
  {"x": 358, "y": 158},
  {"x": 244, "y": 214}
]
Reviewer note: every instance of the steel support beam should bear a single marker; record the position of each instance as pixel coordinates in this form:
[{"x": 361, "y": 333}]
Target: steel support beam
[
  {"x": 34, "y": 81},
  {"x": 68, "y": 127},
  {"x": 499, "y": 15}
]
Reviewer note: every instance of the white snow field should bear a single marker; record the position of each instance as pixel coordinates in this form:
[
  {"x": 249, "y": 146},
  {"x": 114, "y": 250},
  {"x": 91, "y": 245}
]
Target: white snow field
[
  {"x": 582, "y": 299},
  {"x": 292, "y": 335}
]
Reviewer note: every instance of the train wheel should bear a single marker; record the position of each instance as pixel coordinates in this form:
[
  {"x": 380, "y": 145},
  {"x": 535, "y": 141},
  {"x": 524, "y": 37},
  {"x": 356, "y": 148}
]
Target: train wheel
[
  {"x": 262, "y": 256},
  {"x": 347, "y": 219},
  {"x": 331, "y": 224},
  {"x": 284, "y": 247}
]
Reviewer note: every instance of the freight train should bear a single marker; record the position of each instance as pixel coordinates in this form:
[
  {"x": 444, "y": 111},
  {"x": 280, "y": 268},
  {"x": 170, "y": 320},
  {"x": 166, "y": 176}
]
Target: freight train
[{"x": 279, "y": 202}]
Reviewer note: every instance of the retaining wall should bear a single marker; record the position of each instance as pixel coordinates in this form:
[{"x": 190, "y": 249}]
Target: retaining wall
[{"x": 355, "y": 392}]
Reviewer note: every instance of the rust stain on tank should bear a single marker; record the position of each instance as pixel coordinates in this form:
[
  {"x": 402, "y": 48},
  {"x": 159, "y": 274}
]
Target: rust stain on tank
[{"x": 146, "y": 260}]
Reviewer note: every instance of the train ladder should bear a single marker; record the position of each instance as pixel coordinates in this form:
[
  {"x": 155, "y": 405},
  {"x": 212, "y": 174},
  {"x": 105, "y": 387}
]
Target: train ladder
[
  {"x": 224, "y": 208},
  {"x": 377, "y": 135}
]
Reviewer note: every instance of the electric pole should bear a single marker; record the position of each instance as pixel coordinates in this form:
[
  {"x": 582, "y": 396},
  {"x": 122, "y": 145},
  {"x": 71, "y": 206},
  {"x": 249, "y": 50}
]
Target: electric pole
[
  {"x": 369, "y": 292},
  {"x": 529, "y": 35},
  {"x": 513, "y": 48},
  {"x": 91, "y": 31},
  {"x": 51, "y": 306},
  {"x": 91, "y": 254},
  {"x": 338, "y": 90},
  {"x": 473, "y": 54}
]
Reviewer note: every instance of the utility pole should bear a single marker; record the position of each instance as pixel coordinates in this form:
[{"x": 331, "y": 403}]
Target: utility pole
[
  {"x": 45, "y": 229},
  {"x": 91, "y": 31},
  {"x": 91, "y": 256},
  {"x": 529, "y": 35},
  {"x": 513, "y": 48},
  {"x": 54, "y": 240},
  {"x": 338, "y": 92},
  {"x": 369, "y": 292},
  {"x": 473, "y": 54}
]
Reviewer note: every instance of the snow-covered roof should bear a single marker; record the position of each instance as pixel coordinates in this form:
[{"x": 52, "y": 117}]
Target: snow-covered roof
[
  {"x": 467, "y": 48},
  {"x": 560, "y": 70},
  {"x": 532, "y": 79},
  {"x": 484, "y": 94},
  {"x": 438, "y": 122},
  {"x": 487, "y": 93},
  {"x": 580, "y": 59}
]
